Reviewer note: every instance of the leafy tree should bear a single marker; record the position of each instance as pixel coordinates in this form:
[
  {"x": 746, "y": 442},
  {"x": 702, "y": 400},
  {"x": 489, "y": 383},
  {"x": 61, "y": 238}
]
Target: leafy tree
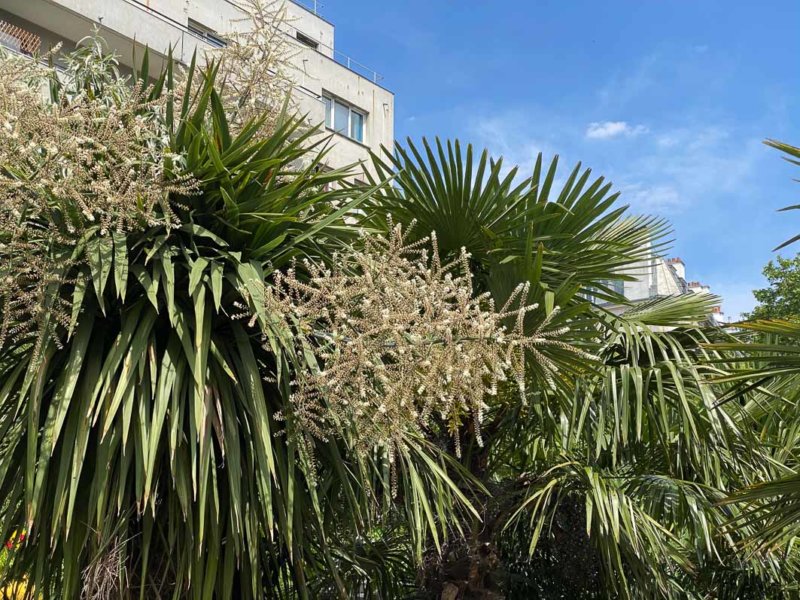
[{"x": 781, "y": 300}]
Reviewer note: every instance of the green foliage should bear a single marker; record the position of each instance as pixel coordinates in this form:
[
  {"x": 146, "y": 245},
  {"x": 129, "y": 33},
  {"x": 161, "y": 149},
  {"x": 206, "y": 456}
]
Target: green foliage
[
  {"x": 564, "y": 564},
  {"x": 781, "y": 299},
  {"x": 766, "y": 382},
  {"x": 792, "y": 155},
  {"x": 139, "y": 446},
  {"x": 766, "y": 385},
  {"x": 567, "y": 241},
  {"x": 636, "y": 439}
]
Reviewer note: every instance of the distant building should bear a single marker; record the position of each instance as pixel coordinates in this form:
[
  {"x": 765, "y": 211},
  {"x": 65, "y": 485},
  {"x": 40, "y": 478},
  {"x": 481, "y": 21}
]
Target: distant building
[
  {"x": 659, "y": 277},
  {"x": 695, "y": 287}
]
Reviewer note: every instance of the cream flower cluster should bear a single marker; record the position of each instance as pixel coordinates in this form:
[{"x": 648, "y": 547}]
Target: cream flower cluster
[
  {"x": 404, "y": 347},
  {"x": 88, "y": 159}
]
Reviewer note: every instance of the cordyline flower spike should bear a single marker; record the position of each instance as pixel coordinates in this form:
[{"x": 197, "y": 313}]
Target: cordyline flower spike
[
  {"x": 256, "y": 66},
  {"x": 404, "y": 346},
  {"x": 81, "y": 166}
]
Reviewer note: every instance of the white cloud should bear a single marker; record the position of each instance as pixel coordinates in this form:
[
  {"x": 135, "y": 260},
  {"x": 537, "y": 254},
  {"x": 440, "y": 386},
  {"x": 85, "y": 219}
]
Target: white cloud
[
  {"x": 667, "y": 140},
  {"x": 691, "y": 169},
  {"x": 610, "y": 129},
  {"x": 504, "y": 137},
  {"x": 652, "y": 198},
  {"x": 705, "y": 164}
]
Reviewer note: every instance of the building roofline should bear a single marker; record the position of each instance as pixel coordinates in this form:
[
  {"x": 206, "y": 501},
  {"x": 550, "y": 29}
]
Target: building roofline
[
  {"x": 346, "y": 62},
  {"x": 309, "y": 10}
]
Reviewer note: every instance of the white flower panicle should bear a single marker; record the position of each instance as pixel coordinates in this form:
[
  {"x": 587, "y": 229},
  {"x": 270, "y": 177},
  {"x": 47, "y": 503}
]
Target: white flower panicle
[
  {"x": 86, "y": 160},
  {"x": 403, "y": 345},
  {"x": 256, "y": 67}
]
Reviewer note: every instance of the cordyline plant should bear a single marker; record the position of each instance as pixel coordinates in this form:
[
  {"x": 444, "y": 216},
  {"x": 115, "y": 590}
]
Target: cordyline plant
[
  {"x": 137, "y": 435},
  {"x": 93, "y": 160}
]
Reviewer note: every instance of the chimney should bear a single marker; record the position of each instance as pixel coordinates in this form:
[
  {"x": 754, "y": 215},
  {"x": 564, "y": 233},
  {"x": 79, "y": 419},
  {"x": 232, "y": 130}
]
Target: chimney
[{"x": 679, "y": 266}]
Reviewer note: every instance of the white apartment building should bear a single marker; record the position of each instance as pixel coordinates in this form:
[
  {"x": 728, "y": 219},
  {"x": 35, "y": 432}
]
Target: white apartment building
[{"x": 331, "y": 88}]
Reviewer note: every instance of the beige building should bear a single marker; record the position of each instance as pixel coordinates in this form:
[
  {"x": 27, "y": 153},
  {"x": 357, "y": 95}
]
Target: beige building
[
  {"x": 331, "y": 87},
  {"x": 658, "y": 277}
]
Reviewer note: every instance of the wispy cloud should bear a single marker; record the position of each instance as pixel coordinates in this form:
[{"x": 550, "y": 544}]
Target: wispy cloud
[
  {"x": 610, "y": 129},
  {"x": 697, "y": 167},
  {"x": 658, "y": 198},
  {"x": 705, "y": 163},
  {"x": 504, "y": 137},
  {"x": 623, "y": 87}
]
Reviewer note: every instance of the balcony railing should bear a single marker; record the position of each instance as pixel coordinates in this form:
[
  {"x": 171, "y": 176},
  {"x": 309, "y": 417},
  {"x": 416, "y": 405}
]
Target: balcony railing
[
  {"x": 341, "y": 58},
  {"x": 18, "y": 39},
  {"x": 356, "y": 67},
  {"x": 312, "y": 5}
]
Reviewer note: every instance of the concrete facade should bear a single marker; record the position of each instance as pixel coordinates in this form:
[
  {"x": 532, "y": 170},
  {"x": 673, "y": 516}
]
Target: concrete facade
[
  {"x": 659, "y": 277},
  {"x": 319, "y": 70},
  {"x": 655, "y": 276}
]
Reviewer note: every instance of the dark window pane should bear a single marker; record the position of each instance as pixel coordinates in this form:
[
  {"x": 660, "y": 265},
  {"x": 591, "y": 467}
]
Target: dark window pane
[{"x": 310, "y": 42}]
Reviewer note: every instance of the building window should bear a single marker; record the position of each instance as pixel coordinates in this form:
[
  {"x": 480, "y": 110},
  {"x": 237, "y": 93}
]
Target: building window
[
  {"x": 328, "y": 112},
  {"x": 615, "y": 285},
  {"x": 304, "y": 39},
  {"x": 341, "y": 118},
  {"x": 356, "y": 126},
  {"x": 344, "y": 119},
  {"x": 208, "y": 34}
]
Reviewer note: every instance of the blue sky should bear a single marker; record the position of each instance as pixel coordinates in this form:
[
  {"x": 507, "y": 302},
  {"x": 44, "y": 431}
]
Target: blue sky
[{"x": 668, "y": 99}]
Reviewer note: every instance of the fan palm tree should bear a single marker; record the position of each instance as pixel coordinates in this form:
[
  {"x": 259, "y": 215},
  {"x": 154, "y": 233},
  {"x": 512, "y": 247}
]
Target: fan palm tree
[
  {"x": 764, "y": 378},
  {"x": 633, "y": 445}
]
